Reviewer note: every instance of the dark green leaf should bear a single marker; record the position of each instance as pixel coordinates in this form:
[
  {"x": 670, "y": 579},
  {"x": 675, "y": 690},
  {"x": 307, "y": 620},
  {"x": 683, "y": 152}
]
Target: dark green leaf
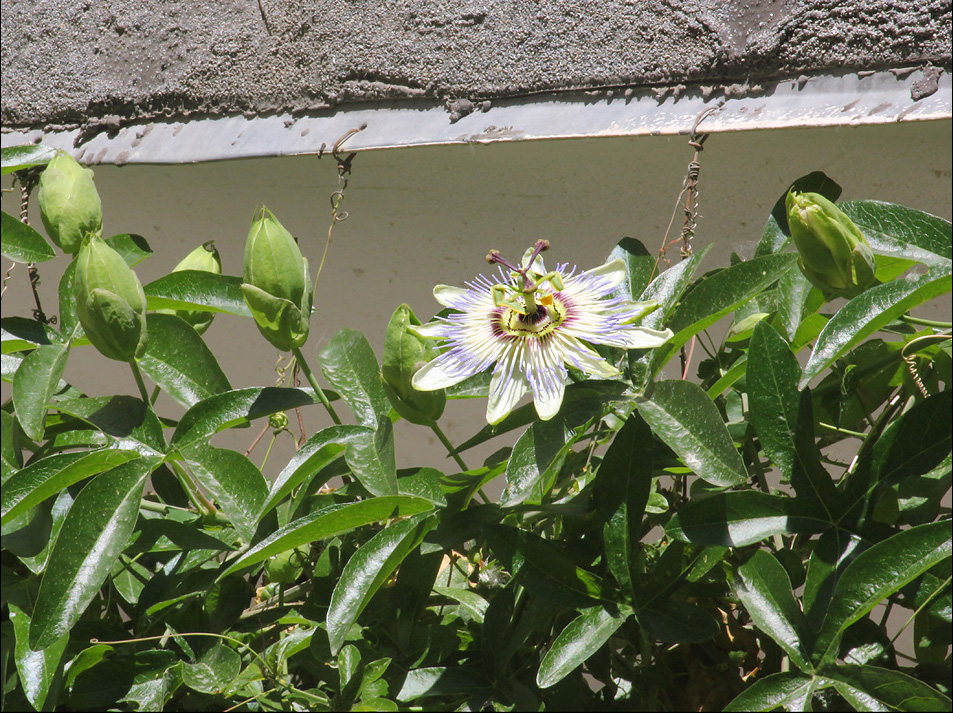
[
  {"x": 20, "y": 333},
  {"x": 133, "y": 248},
  {"x": 370, "y": 456},
  {"x": 214, "y": 670},
  {"x": 127, "y": 421},
  {"x": 906, "y": 228},
  {"x": 583, "y": 637},
  {"x": 773, "y": 374},
  {"x": 36, "y": 380},
  {"x": 536, "y": 460},
  {"x": 439, "y": 681},
  {"x": 234, "y": 482},
  {"x": 640, "y": 267},
  {"x": 216, "y": 413},
  {"x": 876, "y": 574},
  {"x": 46, "y": 477},
  {"x": 868, "y": 312},
  {"x": 719, "y": 295},
  {"x": 683, "y": 416},
  {"x": 351, "y": 368},
  {"x": 191, "y": 289},
  {"x": 620, "y": 494},
  {"x": 21, "y": 243},
  {"x": 742, "y": 518},
  {"x": 329, "y": 522},
  {"x": 809, "y": 478},
  {"x": 792, "y": 691},
  {"x": 864, "y": 686},
  {"x": 833, "y": 551},
  {"x": 39, "y": 671},
  {"x": 765, "y": 591},
  {"x": 178, "y": 361},
  {"x": 366, "y": 571},
  {"x": 678, "y": 622},
  {"x": 147, "y": 679},
  {"x": 95, "y": 532},
  {"x": 14, "y": 158},
  {"x": 542, "y": 567}
]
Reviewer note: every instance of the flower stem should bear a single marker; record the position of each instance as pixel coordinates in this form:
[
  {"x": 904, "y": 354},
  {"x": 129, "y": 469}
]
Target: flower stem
[
  {"x": 139, "y": 382},
  {"x": 909, "y": 319},
  {"x": 319, "y": 392}
]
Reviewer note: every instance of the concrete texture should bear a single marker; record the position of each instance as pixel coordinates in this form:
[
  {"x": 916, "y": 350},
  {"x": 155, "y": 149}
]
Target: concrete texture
[{"x": 100, "y": 66}]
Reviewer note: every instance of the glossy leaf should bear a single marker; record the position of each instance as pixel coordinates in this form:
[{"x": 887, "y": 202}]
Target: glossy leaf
[
  {"x": 879, "y": 572},
  {"x": 21, "y": 243},
  {"x": 868, "y": 312},
  {"x": 471, "y": 602},
  {"x": 192, "y": 289},
  {"x": 14, "y": 158},
  {"x": 791, "y": 691},
  {"x": 404, "y": 353},
  {"x": 319, "y": 450},
  {"x": 133, "y": 248},
  {"x": 640, "y": 267},
  {"x": 178, "y": 361},
  {"x": 40, "y": 671},
  {"x": 535, "y": 461},
  {"x": 736, "y": 519},
  {"x": 678, "y": 622},
  {"x": 127, "y": 421},
  {"x": 349, "y": 364},
  {"x": 366, "y": 572},
  {"x": 683, "y": 416},
  {"x": 36, "y": 381},
  {"x": 93, "y": 535},
  {"x": 370, "y": 456},
  {"x": 764, "y": 589},
  {"x": 216, "y": 413},
  {"x": 581, "y": 638},
  {"x": 234, "y": 482},
  {"x": 214, "y": 670},
  {"x": 620, "y": 494},
  {"x": 908, "y": 230},
  {"x": 541, "y": 567},
  {"x": 329, "y": 522},
  {"x": 46, "y": 477},
  {"x": 864, "y": 686},
  {"x": 833, "y": 551},
  {"x": 19, "y": 333},
  {"x": 719, "y": 295},
  {"x": 667, "y": 288},
  {"x": 773, "y": 374}
]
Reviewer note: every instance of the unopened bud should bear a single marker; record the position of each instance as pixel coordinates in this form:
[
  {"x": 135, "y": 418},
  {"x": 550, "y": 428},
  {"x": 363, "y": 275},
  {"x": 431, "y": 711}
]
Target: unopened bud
[
  {"x": 110, "y": 302},
  {"x": 277, "y": 285},
  {"x": 69, "y": 203},
  {"x": 832, "y": 252}
]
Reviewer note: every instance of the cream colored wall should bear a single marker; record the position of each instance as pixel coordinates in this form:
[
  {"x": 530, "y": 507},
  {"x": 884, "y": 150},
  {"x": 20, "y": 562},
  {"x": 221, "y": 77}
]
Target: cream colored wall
[{"x": 426, "y": 215}]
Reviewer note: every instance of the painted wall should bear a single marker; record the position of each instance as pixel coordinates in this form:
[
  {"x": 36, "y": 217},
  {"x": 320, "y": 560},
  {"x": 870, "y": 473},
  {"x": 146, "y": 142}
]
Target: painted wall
[{"x": 426, "y": 215}]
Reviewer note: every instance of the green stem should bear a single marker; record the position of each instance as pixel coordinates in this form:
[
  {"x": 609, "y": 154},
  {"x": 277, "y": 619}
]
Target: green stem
[
  {"x": 195, "y": 494},
  {"x": 909, "y": 319},
  {"x": 319, "y": 392},
  {"x": 139, "y": 382},
  {"x": 438, "y": 432}
]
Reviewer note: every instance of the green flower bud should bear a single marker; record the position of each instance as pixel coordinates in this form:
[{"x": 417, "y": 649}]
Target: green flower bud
[
  {"x": 69, "y": 204},
  {"x": 110, "y": 302},
  {"x": 286, "y": 567},
  {"x": 832, "y": 252},
  {"x": 404, "y": 353},
  {"x": 277, "y": 285},
  {"x": 204, "y": 258}
]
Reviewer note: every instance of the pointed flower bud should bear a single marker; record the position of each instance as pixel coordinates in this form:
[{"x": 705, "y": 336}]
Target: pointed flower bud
[
  {"x": 277, "y": 285},
  {"x": 69, "y": 203},
  {"x": 832, "y": 252},
  {"x": 204, "y": 258},
  {"x": 109, "y": 301}
]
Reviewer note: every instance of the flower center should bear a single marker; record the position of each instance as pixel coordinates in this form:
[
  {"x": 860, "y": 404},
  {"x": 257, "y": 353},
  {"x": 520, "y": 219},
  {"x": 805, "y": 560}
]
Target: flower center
[{"x": 544, "y": 320}]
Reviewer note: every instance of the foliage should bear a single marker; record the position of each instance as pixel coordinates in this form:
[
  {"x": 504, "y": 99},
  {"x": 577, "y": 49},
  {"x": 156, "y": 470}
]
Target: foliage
[{"x": 734, "y": 540}]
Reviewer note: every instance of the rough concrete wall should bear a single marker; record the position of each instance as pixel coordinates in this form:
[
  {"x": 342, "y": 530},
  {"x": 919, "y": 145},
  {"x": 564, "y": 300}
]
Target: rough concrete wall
[{"x": 77, "y": 62}]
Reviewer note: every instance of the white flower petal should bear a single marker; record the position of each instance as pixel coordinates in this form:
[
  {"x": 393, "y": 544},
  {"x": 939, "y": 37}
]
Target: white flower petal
[
  {"x": 431, "y": 330},
  {"x": 587, "y": 360},
  {"x": 548, "y": 402},
  {"x": 434, "y": 375},
  {"x": 644, "y": 338},
  {"x": 450, "y": 296},
  {"x": 505, "y": 393},
  {"x": 614, "y": 271}
]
